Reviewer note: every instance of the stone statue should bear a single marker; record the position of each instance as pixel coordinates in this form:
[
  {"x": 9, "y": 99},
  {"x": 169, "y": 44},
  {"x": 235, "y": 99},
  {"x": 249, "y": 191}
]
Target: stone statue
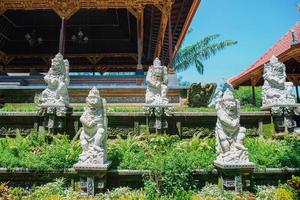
[
  {"x": 55, "y": 96},
  {"x": 93, "y": 136},
  {"x": 157, "y": 107},
  {"x": 229, "y": 134},
  {"x": 277, "y": 96},
  {"x": 157, "y": 84},
  {"x": 276, "y": 90}
]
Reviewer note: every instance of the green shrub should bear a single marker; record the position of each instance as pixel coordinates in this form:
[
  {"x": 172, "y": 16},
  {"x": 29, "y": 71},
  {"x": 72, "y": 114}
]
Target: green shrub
[
  {"x": 33, "y": 151},
  {"x": 244, "y": 94}
]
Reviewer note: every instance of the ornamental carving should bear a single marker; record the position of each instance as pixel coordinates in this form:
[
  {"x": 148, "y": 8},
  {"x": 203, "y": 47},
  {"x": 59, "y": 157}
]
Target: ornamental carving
[
  {"x": 157, "y": 84},
  {"x": 65, "y": 8},
  {"x": 55, "y": 97},
  {"x": 229, "y": 133},
  {"x": 93, "y": 136},
  {"x": 276, "y": 90}
]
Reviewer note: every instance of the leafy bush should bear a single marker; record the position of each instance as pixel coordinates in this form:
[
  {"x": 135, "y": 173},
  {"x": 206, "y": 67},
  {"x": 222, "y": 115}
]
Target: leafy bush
[
  {"x": 151, "y": 152},
  {"x": 244, "y": 94},
  {"x": 282, "y": 192},
  {"x": 33, "y": 151}
]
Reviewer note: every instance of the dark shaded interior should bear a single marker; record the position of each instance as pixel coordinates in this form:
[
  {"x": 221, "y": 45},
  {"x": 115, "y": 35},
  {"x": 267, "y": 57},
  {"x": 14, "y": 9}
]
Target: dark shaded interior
[{"x": 112, "y": 32}]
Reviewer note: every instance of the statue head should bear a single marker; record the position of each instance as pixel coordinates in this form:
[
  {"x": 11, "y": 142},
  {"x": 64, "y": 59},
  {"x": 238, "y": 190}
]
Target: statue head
[
  {"x": 275, "y": 68},
  {"x": 94, "y": 100},
  {"x": 57, "y": 65},
  {"x": 156, "y": 62},
  {"x": 230, "y": 104}
]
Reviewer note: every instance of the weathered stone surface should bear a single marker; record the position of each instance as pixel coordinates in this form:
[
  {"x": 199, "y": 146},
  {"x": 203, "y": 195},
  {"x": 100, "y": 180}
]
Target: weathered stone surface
[
  {"x": 156, "y": 107},
  {"x": 276, "y": 90},
  {"x": 157, "y": 84},
  {"x": 94, "y": 132},
  {"x": 229, "y": 134},
  {"x": 277, "y": 96},
  {"x": 55, "y": 98}
]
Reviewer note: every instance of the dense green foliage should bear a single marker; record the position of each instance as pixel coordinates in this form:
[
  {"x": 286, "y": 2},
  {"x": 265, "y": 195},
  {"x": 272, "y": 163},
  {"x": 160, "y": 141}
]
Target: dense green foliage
[
  {"x": 59, "y": 191},
  {"x": 153, "y": 152},
  {"x": 34, "y": 151},
  {"x": 170, "y": 160},
  {"x": 244, "y": 94}
]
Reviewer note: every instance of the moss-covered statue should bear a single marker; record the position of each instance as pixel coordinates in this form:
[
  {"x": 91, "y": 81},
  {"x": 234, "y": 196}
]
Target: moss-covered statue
[
  {"x": 157, "y": 84},
  {"x": 93, "y": 136},
  {"x": 200, "y": 95},
  {"x": 229, "y": 133},
  {"x": 55, "y": 96}
]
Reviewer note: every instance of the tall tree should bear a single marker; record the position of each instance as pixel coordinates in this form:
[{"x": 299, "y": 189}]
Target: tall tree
[{"x": 195, "y": 54}]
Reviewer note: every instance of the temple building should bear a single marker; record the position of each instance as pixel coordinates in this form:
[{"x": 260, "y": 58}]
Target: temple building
[
  {"x": 109, "y": 44},
  {"x": 287, "y": 50}
]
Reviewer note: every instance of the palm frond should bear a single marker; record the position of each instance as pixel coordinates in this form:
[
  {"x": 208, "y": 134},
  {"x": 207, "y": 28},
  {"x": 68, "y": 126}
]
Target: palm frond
[{"x": 194, "y": 55}]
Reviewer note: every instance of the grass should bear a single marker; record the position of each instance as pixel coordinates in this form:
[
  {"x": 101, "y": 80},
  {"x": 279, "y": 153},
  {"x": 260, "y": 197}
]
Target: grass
[{"x": 31, "y": 107}]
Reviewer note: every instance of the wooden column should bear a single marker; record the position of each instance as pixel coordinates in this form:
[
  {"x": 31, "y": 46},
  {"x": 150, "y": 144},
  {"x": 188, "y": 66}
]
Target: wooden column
[
  {"x": 140, "y": 38},
  {"x": 297, "y": 93},
  {"x": 254, "y": 79},
  {"x": 253, "y": 96},
  {"x": 170, "y": 41},
  {"x": 62, "y": 36},
  {"x": 165, "y": 12}
]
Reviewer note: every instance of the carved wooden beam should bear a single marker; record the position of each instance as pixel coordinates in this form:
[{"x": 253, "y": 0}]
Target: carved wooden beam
[
  {"x": 95, "y": 59},
  {"x": 163, "y": 25},
  {"x": 66, "y": 8},
  {"x": 47, "y": 59},
  {"x": 6, "y": 59},
  {"x": 254, "y": 79},
  {"x": 294, "y": 78},
  {"x": 73, "y": 55}
]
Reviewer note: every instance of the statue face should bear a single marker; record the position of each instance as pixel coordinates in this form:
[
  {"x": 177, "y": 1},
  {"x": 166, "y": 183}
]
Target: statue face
[
  {"x": 93, "y": 101},
  {"x": 156, "y": 63},
  {"x": 230, "y": 106}
]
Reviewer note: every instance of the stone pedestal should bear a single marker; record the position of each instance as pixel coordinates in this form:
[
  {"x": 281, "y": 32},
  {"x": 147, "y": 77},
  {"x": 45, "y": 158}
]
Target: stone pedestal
[
  {"x": 234, "y": 176},
  {"x": 283, "y": 116},
  {"x": 156, "y": 116},
  {"x": 92, "y": 178},
  {"x": 52, "y": 120}
]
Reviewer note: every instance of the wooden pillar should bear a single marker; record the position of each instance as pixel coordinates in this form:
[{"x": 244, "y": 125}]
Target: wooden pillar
[
  {"x": 62, "y": 36},
  {"x": 165, "y": 11},
  {"x": 170, "y": 39},
  {"x": 253, "y": 96},
  {"x": 140, "y": 27},
  {"x": 297, "y": 93}
]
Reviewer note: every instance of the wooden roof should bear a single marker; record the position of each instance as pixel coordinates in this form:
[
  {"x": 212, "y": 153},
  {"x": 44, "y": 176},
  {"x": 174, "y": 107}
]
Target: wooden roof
[
  {"x": 111, "y": 26},
  {"x": 287, "y": 49}
]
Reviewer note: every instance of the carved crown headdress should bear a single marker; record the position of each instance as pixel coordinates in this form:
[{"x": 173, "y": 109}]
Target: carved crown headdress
[
  {"x": 156, "y": 60},
  {"x": 94, "y": 92},
  {"x": 228, "y": 95},
  {"x": 58, "y": 66},
  {"x": 274, "y": 65}
]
